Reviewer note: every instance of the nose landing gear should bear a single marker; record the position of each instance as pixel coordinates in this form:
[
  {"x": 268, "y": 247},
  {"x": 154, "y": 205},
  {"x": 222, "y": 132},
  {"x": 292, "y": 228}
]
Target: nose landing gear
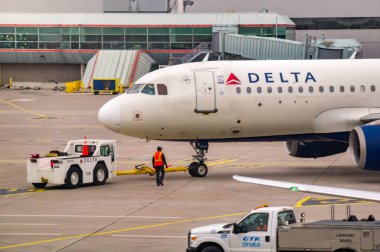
[{"x": 199, "y": 168}]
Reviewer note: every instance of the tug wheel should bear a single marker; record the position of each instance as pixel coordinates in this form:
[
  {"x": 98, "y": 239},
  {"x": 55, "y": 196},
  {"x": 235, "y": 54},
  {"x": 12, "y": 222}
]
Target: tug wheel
[
  {"x": 100, "y": 174},
  {"x": 39, "y": 185}
]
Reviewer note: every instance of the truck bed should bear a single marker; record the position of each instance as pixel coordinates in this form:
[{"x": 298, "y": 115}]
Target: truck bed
[{"x": 328, "y": 235}]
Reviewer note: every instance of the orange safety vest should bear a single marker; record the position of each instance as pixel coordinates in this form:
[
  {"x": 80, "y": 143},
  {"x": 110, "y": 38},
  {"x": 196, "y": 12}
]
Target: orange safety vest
[{"x": 158, "y": 159}]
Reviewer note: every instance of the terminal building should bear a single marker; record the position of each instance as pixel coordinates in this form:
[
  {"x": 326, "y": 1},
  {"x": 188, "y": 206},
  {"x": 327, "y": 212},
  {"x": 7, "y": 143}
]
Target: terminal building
[{"x": 59, "y": 41}]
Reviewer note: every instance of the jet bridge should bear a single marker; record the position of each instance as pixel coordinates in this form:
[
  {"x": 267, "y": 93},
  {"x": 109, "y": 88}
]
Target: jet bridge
[{"x": 261, "y": 48}]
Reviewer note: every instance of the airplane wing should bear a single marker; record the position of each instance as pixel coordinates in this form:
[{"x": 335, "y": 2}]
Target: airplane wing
[
  {"x": 327, "y": 190},
  {"x": 370, "y": 118}
]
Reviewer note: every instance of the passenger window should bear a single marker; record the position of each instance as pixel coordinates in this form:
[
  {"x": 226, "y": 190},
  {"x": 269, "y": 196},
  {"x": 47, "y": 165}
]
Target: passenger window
[
  {"x": 321, "y": 89},
  {"x": 341, "y": 88},
  {"x": 148, "y": 89},
  {"x": 162, "y": 89},
  {"x": 254, "y": 222},
  {"x": 362, "y": 88},
  {"x": 373, "y": 88},
  {"x": 311, "y": 89},
  {"x": 269, "y": 90},
  {"x": 352, "y": 88},
  {"x": 279, "y": 90},
  {"x": 238, "y": 90},
  {"x": 290, "y": 89},
  {"x": 249, "y": 90},
  {"x": 259, "y": 90},
  {"x": 331, "y": 88},
  {"x": 300, "y": 89}
]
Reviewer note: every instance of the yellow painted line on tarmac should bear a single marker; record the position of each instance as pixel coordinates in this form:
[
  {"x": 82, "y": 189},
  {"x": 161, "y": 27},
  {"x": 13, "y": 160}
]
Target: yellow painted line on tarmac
[
  {"x": 222, "y": 161},
  {"x": 118, "y": 231},
  {"x": 322, "y": 201},
  {"x": 300, "y": 203},
  {"x": 25, "y": 110}
]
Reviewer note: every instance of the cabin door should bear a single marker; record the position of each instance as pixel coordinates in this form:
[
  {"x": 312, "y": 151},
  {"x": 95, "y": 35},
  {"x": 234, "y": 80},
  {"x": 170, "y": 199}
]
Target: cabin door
[{"x": 205, "y": 92}]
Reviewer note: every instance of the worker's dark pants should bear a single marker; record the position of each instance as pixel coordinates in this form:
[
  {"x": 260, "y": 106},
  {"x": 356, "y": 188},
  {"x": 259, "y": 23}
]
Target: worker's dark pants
[{"x": 160, "y": 174}]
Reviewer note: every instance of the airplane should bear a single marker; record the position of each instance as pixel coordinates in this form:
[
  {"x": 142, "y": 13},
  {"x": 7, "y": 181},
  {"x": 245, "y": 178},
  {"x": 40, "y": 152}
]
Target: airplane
[
  {"x": 318, "y": 107},
  {"x": 327, "y": 190}
]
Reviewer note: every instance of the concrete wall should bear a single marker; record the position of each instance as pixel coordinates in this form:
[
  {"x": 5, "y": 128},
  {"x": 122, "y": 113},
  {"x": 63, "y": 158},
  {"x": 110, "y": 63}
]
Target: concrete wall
[{"x": 40, "y": 72}]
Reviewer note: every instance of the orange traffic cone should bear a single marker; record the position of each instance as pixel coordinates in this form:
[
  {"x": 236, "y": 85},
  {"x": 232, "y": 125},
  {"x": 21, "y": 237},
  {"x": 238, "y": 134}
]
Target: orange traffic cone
[{"x": 85, "y": 147}]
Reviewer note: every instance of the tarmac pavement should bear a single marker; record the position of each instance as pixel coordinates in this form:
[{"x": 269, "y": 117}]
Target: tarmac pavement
[{"x": 130, "y": 213}]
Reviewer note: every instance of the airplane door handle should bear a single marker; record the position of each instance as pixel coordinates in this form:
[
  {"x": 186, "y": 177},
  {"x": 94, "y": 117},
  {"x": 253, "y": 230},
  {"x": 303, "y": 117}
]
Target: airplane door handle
[{"x": 267, "y": 238}]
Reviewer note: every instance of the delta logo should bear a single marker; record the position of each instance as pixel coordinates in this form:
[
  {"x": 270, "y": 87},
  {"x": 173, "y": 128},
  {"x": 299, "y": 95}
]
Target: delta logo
[{"x": 233, "y": 80}]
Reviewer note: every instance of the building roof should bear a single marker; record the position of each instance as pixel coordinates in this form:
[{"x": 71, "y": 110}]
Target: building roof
[{"x": 139, "y": 19}]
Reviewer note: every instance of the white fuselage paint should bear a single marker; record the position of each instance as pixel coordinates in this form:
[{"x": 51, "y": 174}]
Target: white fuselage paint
[{"x": 203, "y": 87}]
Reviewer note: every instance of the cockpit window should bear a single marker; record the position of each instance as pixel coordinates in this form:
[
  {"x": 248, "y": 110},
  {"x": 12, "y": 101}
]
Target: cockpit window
[
  {"x": 148, "y": 89},
  {"x": 162, "y": 89},
  {"x": 135, "y": 89}
]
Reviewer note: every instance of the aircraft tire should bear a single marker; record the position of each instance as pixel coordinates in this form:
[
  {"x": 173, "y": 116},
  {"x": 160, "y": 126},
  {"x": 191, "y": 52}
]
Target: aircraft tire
[
  {"x": 198, "y": 169},
  {"x": 100, "y": 174},
  {"x": 39, "y": 185},
  {"x": 192, "y": 169},
  {"x": 201, "y": 170}
]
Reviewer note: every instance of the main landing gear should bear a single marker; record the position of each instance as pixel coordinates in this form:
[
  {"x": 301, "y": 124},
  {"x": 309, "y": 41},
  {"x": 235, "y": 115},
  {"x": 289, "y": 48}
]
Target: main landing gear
[{"x": 199, "y": 168}]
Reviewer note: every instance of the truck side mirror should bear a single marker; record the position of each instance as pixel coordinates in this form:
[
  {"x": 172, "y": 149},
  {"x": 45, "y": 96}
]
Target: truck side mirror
[{"x": 235, "y": 229}]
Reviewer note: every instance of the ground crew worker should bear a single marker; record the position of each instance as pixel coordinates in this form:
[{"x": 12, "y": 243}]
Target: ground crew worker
[{"x": 159, "y": 164}]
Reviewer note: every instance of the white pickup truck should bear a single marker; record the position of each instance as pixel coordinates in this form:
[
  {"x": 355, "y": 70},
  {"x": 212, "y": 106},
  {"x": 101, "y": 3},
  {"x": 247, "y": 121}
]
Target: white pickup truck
[
  {"x": 275, "y": 229},
  {"x": 71, "y": 168}
]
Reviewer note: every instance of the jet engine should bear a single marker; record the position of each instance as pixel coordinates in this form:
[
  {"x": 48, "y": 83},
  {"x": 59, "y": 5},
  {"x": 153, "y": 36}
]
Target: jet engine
[
  {"x": 365, "y": 147},
  {"x": 315, "y": 149}
]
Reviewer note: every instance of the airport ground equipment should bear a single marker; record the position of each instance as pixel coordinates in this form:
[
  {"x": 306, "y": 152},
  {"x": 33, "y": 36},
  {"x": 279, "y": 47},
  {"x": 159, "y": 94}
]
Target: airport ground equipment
[
  {"x": 283, "y": 233},
  {"x": 105, "y": 85},
  {"x": 144, "y": 169},
  {"x": 82, "y": 162}
]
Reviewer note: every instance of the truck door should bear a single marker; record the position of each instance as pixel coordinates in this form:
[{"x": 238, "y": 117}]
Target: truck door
[
  {"x": 205, "y": 92},
  {"x": 253, "y": 234}
]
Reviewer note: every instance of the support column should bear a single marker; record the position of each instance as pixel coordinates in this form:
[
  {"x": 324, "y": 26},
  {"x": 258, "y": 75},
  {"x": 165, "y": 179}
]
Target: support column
[{"x": 82, "y": 70}]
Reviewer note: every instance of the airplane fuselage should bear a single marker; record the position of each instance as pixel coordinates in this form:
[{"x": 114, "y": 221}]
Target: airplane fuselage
[{"x": 226, "y": 100}]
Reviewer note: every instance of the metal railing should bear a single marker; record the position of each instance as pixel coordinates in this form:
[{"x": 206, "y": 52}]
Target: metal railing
[{"x": 204, "y": 47}]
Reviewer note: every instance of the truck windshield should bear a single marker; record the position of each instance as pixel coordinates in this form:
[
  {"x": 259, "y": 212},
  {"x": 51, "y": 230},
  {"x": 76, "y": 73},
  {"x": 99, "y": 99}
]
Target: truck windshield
[
  {"x": 135, "y": 89},
  {"x": 91, "y": 149},
  {"x": 254, "y": 222}
]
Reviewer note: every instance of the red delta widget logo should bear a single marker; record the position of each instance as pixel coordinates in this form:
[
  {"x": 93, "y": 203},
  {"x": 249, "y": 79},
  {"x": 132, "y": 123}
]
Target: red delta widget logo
[{"x": 233, "y": 80}]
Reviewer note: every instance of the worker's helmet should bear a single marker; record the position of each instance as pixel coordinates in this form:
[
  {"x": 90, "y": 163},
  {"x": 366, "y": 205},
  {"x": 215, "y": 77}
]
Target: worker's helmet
[{"x": 159, "y": 148}]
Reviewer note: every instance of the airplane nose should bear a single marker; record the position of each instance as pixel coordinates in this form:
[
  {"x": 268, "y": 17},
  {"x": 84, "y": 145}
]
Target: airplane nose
[{"x": 110, "y": 115}]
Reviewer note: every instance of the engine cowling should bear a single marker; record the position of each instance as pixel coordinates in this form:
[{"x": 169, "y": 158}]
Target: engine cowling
[
  {"x": 315, "y": 149},
  {"x": 365, "y": 147}
]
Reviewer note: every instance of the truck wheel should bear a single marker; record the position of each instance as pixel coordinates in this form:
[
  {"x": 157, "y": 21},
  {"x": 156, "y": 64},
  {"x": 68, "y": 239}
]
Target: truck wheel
[
  {"x": 211, "y": 249},
  {"x": 39, "y": 185},
  {"x": 73, "y": 178},
  {"x": 100, "y": 174}
]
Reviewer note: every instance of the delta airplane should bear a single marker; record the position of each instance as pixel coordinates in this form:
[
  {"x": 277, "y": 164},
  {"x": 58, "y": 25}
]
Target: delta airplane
[{"x": 318, "y": 107}]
